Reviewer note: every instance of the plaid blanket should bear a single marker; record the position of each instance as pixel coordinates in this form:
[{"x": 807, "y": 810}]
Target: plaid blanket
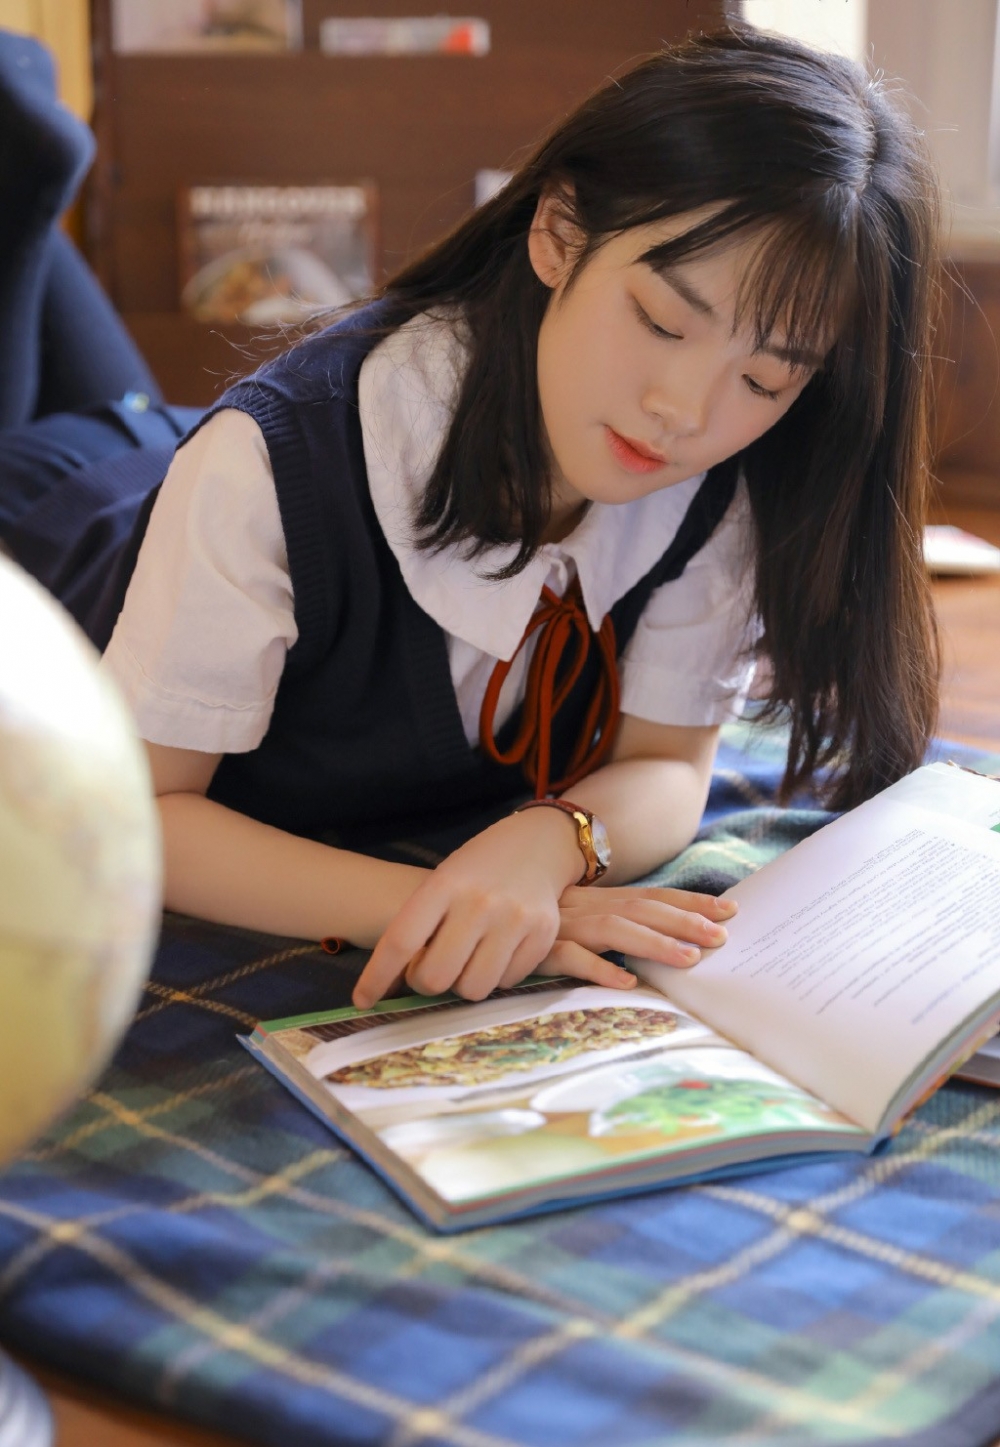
[{"x": 192, "y": 1238}]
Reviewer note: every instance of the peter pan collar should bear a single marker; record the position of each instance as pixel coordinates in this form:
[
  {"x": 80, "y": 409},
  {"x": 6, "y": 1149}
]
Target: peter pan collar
[{"x": 406, "y": 392}]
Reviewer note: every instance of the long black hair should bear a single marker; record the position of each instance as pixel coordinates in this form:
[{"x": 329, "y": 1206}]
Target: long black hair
[{"x": 810, "y": 154}]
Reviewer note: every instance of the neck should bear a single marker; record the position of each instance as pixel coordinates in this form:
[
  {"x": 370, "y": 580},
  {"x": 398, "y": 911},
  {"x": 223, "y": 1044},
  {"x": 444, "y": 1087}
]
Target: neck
[
  {"x": 563, "y": 520},
  {"x": 566, "y": 510}
]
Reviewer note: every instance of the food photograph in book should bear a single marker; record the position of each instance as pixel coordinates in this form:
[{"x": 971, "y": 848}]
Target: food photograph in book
[
  {"x": 185, "y": 27},
  {"x": 512, "y": 1093},
  {"x": 269, "y": 255}
]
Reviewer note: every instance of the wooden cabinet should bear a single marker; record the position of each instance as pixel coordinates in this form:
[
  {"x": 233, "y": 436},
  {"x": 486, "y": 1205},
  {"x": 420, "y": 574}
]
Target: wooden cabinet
[
  {"x": 420, "y": 127},
  {"x": 967, "y": 404}
]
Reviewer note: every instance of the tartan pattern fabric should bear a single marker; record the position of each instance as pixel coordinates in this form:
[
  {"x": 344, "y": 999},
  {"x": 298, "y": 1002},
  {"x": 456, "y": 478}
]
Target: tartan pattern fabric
[{"x": 191, "y": 1237}]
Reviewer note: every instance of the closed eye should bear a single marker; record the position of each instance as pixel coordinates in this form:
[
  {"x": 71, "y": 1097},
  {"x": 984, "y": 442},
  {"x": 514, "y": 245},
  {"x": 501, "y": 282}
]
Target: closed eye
[
  {"x": 651, "y": 326},
  {"x": 760, "y": 391}
]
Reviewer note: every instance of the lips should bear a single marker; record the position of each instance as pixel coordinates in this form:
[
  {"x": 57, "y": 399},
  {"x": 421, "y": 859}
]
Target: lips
[{"x": 634, "y": 456}]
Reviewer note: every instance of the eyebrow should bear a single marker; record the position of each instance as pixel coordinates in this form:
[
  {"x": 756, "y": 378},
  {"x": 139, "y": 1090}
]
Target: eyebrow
[
  {"x": 792, "y": 356},
  {"x": 686, "y": 291}
]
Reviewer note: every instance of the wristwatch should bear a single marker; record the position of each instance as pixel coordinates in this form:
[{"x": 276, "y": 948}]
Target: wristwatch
[{"x": 592, "y": 837}]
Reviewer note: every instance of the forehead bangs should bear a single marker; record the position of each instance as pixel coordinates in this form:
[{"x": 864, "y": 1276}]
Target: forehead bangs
[{"x": 798, "y": 287}]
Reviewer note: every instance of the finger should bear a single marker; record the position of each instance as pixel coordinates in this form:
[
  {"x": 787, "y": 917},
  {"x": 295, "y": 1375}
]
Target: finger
[
  {"x": 438, "y": 966},
  {"x": 679, "y": 924},
  {"x": 413, "y": 927},
  {"x": 712, "y": 906},
  {"x": 566, "y": 957},
  {"x": 706, "y": 906},
  {"x": 376, "y": 980},
  {"x": 525, "y": 960},
  {"x": 631, "y": 937},
  {"x": 412, "y": 966},
  {"x": 501, "y": 961},
  {"x": 709, "y": 905},
  {"x": 655, "y": 914}
]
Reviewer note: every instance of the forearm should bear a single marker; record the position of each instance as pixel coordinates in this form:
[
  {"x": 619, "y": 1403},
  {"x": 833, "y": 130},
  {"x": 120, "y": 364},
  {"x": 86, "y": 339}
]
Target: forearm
[
  {"x": 225, "y": 867},
  {"x": 651, "y": 809}
]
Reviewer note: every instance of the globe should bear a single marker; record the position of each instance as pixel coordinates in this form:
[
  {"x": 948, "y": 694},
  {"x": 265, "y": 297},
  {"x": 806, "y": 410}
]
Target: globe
[{"x": 79, "y": 883}]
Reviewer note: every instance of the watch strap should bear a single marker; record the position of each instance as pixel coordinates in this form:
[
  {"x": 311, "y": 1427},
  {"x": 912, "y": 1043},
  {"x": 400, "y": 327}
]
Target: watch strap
[{"x": 595, "y": 859}]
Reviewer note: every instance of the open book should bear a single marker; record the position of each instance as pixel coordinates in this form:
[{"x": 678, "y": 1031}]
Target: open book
[{"x": 862, "y": 968}]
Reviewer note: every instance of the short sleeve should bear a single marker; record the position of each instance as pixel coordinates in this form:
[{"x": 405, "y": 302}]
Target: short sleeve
[
  {"x": 200, "y": 644},
  {"x": 690, "y": 660}
]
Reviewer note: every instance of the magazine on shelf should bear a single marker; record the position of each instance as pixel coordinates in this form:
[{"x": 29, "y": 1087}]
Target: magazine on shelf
[
  {"x": 205, "y": 27},
  {"x": 862, "y": 968},
  {"x": 952, "y": 550},
  {"x": 488, "y": 182},
  {"x": 273, "y": 254},
  {"x": 404, "y": 35}
]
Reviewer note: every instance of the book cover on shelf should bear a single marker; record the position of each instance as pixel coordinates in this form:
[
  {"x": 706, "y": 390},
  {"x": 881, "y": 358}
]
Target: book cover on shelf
[
  {"x": 488, "y": 182},
  {"x": 197, "y": 27},
  {"x": 863, "y": 967},
  {"x": 404, "y": 35},
  {"x": 954, "y": 551},
  {"x": 266, "y": 255}
]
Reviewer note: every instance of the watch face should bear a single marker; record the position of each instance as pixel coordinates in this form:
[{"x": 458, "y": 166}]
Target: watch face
[{"x": 602, "y": 844}]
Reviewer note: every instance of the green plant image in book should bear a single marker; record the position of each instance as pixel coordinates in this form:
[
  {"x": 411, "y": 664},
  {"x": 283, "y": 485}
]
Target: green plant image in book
[
  {"x": 729, "y": 1106},
  {"x": 598, "y": 1120}
]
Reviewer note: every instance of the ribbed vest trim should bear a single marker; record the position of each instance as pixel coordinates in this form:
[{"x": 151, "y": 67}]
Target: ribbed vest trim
[{"x": 304, "y": 519}]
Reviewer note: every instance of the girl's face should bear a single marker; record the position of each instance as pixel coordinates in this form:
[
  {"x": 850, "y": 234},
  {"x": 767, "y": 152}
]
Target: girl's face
[{"x": 644, "y": 377}]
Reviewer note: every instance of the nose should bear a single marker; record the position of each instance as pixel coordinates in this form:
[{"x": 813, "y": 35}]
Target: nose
[{"x": 679, "y": 402}]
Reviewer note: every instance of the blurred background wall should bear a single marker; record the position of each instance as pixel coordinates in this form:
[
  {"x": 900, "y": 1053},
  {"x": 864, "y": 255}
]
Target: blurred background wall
[
  {"x": 420, "y": 128},
  {"x": 64, "y": 25},
  {"x": 946, "y": 54}
]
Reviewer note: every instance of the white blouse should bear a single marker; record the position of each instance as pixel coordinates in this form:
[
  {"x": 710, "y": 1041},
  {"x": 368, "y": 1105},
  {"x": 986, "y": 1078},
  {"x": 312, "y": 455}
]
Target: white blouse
[{"x": 200, "y": 644}]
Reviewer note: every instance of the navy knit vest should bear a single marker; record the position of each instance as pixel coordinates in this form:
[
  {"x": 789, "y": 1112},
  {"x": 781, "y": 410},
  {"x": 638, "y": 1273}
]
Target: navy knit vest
[{"x": 366, "y": 740}]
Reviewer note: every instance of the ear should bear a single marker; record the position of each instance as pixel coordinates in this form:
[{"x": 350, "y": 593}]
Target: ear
[{"x": 554, "y": 238}]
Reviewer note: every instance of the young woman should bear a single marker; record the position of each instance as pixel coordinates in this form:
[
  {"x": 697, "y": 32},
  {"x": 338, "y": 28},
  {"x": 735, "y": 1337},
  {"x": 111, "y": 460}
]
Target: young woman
[{"x": 520, "y": 525}]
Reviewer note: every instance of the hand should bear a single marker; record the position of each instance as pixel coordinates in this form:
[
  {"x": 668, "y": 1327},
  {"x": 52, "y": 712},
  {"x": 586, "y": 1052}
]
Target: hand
[
  {"x": 486, "y": 917},
  {"x": 671, "y": 926}
]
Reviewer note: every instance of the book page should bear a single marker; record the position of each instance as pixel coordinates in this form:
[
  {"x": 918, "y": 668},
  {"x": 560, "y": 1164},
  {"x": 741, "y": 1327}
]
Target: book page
[
  {"x": 855, "y": 954},
  {"x": 564, "y": 1085},
  {"x": 948, "y": 789}
]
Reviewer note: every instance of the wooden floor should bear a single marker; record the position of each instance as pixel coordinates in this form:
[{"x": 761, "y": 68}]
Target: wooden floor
[
  {"x": 85, "y": 1418},
  {"x": 969, "y": 615},
  {"x": 968, "y": 612}
]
